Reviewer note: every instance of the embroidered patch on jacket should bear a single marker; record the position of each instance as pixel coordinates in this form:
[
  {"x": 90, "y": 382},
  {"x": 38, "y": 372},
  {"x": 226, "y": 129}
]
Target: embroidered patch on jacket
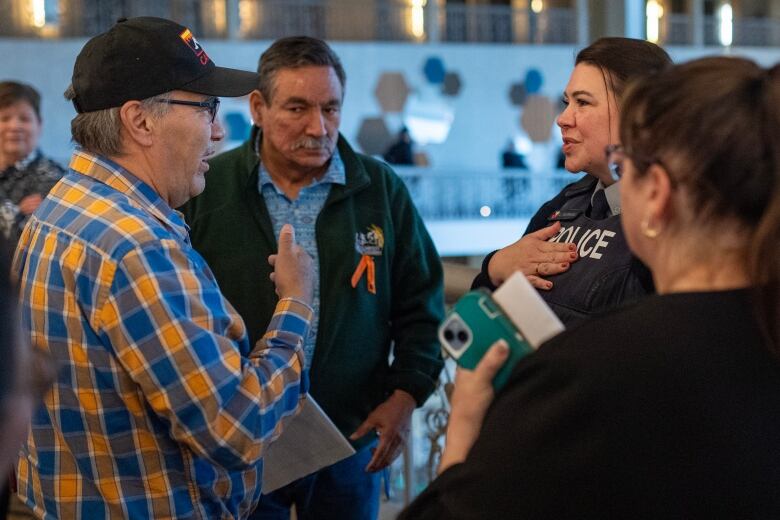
[{"x": 372, "y": 242}]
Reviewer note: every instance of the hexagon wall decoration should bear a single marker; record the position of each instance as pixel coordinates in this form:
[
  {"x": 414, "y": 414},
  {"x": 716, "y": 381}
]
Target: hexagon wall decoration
[
  {"x": 517, "y": 94},
  {"x": 538, "y": 118},
  {"x": 373, "y": 136},
  {"x": 434, "y": 70},
  {"x": 452, "y": 84},
  {"x": 533, "y": 81},
  {"x": 391, "y": 91}
]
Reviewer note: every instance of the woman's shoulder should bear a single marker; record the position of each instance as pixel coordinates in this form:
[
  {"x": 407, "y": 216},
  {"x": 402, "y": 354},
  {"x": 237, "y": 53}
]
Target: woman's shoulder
[{"x": 644, "y": 337}]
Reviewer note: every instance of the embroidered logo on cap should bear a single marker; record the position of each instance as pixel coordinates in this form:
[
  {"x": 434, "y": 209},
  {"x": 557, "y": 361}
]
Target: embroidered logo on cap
[{"x": 193, "y": 44}]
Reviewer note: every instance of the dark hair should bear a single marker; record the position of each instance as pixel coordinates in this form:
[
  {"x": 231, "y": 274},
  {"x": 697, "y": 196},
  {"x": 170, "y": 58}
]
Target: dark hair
[
  {"x": 12, "y": 92},
  {"x": 294, "y": 52},
  {"x": 623, "y": 59},
  {"x": 716, "y": 122}
]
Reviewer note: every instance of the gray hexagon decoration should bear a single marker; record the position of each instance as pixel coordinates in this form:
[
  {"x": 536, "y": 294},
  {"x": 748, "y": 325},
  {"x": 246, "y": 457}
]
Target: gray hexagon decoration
[
  {"x": 517, "y": 94},
  {"x": 538, "y": 118},
  {"x": 373, "y": 136},
  {"x": 452, "y": 84},
  {"x": 391, "y": 91},
  {"x": 434, "y": 70}
]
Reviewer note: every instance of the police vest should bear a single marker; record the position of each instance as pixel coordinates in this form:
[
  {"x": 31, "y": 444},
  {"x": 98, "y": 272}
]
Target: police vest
[{"x": 606, "y": 273}]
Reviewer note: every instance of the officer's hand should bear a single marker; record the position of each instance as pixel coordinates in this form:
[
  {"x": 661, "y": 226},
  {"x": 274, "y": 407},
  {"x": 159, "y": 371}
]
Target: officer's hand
[
  {"x": 534, "y": 256},
  {"x": 292, "y": 268}
]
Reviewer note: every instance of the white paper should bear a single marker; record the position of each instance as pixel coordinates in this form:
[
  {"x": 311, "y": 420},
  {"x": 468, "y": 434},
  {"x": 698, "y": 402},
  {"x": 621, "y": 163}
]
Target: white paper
[
  {"x": 523, "y": 305},
  {"x": 309, "y": 443}
]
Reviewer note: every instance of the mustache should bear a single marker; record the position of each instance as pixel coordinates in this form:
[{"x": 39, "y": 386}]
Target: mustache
[{"x": 312, "y": 143}]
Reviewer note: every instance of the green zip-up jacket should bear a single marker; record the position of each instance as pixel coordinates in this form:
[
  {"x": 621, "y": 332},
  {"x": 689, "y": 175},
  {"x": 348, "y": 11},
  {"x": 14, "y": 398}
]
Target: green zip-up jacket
[{"x": 350, "y": 373}]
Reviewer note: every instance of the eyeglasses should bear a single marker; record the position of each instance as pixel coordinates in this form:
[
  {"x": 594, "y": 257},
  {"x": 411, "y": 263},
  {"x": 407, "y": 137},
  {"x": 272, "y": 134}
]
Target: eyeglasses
[
  {"x": 212, "y": 104},
  {"x": 615, "y": 154}
]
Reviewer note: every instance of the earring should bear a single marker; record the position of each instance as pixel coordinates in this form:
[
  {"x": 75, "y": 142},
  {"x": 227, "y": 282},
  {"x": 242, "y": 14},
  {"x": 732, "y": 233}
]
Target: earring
[{"x": 647, "y": 230}]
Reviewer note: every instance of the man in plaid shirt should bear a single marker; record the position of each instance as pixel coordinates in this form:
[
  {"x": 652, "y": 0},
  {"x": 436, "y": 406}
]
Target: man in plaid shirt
[{"x": 161, "y": 407}]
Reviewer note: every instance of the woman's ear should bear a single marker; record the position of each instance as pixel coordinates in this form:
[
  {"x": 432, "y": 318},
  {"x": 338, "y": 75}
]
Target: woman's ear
[
  {"x": 136, "y": 123},
  {"x": 658, "y": 190}
]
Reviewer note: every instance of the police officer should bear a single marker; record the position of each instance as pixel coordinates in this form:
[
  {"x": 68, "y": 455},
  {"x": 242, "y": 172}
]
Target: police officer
[{"x": 574, "y": 250}]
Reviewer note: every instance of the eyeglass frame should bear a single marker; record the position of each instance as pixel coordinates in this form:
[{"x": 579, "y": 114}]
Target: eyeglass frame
[
  {"x": 612, "y": 149},
  {"x": 609, "y": 152},
  {"x": 212, "y": 105}
]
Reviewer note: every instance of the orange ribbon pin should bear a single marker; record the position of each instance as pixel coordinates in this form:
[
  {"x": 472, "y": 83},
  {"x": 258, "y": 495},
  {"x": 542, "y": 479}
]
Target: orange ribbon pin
[
  {"x": 366, "y": 264},
  {"x": 369, "y": 245}
]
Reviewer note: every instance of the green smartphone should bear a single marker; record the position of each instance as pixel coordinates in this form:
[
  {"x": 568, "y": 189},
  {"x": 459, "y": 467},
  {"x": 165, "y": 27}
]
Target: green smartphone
[{"x": 474, "y": 323}]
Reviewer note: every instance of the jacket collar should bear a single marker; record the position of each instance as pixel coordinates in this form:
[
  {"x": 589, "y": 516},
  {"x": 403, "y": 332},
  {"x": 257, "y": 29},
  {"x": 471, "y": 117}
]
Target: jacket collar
[{"x": 583, "y": 185}]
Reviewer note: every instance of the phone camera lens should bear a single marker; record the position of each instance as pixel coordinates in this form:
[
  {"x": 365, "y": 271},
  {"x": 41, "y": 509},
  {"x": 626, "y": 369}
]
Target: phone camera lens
[
  {"x": 449, "y": 335},
  {"x": 463, "y": 336}
]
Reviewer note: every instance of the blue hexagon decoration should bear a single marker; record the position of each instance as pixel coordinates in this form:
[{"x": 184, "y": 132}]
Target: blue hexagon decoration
[
  {"x": 434, "y": 70},
  {"x": 533, "y": 81}
]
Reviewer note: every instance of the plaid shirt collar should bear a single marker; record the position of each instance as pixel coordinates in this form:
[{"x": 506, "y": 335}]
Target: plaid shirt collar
[{"x": 106, "y": 171}]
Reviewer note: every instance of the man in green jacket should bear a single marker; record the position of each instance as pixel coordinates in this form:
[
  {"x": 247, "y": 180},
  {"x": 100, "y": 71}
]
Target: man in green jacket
[{"x": 378, "y": 278}]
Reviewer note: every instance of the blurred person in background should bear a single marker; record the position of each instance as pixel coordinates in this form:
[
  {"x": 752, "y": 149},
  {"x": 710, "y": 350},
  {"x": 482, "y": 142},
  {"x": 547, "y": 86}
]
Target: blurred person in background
[
  {"x": 670, "y": 407},
  {"x": 26, "y": 175},
  {"x": 401, "y": 152}
]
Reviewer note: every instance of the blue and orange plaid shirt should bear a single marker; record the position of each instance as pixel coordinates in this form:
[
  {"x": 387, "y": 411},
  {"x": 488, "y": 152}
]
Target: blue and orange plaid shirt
[{"x": 161, "y": 408}]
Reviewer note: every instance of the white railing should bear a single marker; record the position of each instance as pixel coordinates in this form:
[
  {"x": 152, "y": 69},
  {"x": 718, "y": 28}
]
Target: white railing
[{"x": 452, "y": 195}]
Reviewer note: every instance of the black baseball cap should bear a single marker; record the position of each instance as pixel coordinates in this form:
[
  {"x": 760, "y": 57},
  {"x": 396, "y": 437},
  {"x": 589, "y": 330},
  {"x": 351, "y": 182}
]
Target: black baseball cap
[{"x": 143, "y": 57}]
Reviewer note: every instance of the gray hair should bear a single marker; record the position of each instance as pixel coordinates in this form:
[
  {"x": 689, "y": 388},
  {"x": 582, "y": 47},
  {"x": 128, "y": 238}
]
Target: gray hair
[
  {"x": 99, "y": 131},
  {"x": 295, "y": 52}
]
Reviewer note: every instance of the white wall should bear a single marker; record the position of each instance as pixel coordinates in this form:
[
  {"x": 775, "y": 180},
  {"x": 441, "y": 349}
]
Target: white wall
[{"x": 484, "y": 116}]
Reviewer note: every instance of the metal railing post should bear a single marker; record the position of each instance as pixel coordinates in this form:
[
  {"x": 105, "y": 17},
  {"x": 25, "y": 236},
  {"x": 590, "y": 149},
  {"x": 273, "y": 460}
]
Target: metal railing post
[
  {"x": 432, "y": 15},
  {"x": 697, "y": 18},
  {"x": 583, "y": 34},
  {"x": 233, "y": 19}
]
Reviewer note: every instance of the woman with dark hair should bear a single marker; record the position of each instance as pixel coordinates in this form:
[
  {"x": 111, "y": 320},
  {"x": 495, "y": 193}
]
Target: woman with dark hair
[
  {"x": 670, "y": 407},
  {"x": 575, "y": 239}
]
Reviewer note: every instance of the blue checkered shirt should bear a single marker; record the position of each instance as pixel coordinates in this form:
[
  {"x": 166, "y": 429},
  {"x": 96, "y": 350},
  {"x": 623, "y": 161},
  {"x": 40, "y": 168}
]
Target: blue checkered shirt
[
  {"x": 302, "y": 214},
  {"x": 161, "y": 408}
]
